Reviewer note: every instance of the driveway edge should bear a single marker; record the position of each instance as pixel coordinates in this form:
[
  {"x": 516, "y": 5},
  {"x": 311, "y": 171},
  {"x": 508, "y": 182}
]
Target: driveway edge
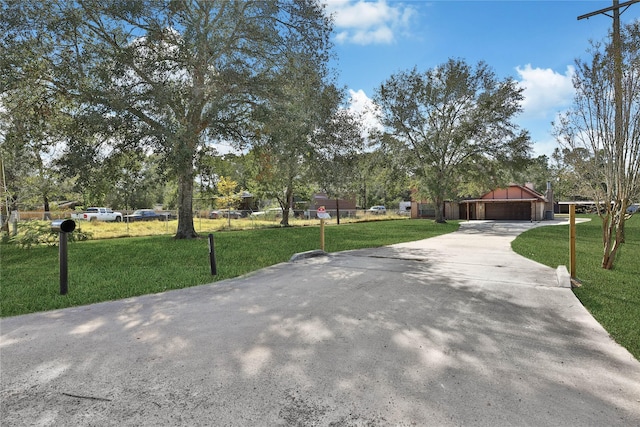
[
  {"x": 309, "y": 254},
  {"x": 563, "y": 277}
]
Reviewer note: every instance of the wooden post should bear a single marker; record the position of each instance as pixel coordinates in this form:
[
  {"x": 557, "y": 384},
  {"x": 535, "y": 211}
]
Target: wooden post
[
  {"x": 322, "y": 234},
  {"x": 572, "y": 240}
]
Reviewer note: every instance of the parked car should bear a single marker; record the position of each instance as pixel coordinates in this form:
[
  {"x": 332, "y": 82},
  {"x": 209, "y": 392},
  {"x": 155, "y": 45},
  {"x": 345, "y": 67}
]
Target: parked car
[
  {"x": 377, "y": 210},
  {"x": 147, "y": 215},
  {"x": 98, "y": 214},
  {"x": 224, "y": 213},
  {"x": 633, "y": 208}
]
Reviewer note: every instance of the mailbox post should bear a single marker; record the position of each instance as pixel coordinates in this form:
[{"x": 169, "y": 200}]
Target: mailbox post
[{"x": 63, "y": 227}]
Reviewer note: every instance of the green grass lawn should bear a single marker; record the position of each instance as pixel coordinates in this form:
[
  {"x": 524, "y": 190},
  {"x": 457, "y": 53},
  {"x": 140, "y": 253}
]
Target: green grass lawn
[
  {"x": 612, "y": 296},
  {"x": 103, "y": 270}
]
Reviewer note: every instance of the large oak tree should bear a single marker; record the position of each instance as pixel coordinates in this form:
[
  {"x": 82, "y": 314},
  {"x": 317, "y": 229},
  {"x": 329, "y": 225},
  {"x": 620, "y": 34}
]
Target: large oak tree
[
  {"x": 450, "y": 124},
  {"x": 173, "y": 76}
]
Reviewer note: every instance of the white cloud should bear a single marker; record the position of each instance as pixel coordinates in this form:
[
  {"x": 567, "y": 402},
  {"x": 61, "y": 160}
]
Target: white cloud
[
  {"x": 545, "y": 91},
  {"x": 368, "y": 22},
  {"x": 363, "y": 106},
  {"x": 546, "y": 94},
  {"x": 544, "y": 144}
]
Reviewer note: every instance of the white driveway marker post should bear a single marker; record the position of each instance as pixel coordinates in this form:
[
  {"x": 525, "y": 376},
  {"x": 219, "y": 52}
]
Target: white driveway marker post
[{"x": 322, "y": 214}]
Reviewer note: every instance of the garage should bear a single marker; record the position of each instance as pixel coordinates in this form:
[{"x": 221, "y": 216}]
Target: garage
[
  {"x": 519, "y": 211},
  {"x": 514, "y": 203}
]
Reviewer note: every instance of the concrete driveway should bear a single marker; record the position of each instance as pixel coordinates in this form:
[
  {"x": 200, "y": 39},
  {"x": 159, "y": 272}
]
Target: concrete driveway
[{"x": 453, "y": 330}]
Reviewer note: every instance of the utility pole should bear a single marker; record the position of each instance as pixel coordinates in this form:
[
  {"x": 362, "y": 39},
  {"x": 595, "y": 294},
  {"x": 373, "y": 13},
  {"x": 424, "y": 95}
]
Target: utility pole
[
  {"x": 619, "y": 143},
  {"x": 617, "y": 68}
]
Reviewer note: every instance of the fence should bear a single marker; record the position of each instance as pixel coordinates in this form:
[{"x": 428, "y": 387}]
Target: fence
[
  {"x": 201, "y": 221},
  {"x": 36, "y": 215},
  {"x": 63, "y": 214}
]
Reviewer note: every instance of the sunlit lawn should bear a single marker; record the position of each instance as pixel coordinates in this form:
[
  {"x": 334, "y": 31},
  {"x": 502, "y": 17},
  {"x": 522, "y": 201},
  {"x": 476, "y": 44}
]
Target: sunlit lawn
[
  {"x": 109, "y": 269},
  {"x": 612, "y": 296},
  {"x": 105, "y": 230}
]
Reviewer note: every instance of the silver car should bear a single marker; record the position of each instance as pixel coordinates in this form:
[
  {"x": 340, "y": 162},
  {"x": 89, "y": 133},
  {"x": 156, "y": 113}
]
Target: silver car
[{"x": 377, "y": 210}]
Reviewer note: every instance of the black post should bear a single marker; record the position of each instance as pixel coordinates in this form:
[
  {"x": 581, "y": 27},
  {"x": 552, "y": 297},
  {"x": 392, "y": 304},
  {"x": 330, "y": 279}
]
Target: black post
[
  {"x": 63, "y": 226},
  {"x": 212, "y": 256},
  {"x": 64, "y": 277}
]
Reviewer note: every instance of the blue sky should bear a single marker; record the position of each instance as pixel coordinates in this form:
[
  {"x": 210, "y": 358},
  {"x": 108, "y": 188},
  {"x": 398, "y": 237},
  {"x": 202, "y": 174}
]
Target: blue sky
[{"x": 534, "y": 42}]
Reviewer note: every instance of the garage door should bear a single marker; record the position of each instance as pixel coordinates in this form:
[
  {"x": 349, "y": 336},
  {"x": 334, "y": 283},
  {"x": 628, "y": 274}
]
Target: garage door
[{"x": 512, "y": 211}]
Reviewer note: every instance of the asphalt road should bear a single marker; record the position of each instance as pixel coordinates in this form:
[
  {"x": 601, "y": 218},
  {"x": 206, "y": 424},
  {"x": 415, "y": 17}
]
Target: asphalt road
[{"x": 449, "y": 331}]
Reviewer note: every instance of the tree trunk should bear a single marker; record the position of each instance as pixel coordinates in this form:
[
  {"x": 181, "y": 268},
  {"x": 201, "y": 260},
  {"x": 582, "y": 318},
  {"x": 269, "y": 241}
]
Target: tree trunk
[
  {"x": 47, "y": 213},
  {"x": 186, "y": 229},
  {"x": 288, "y": 202},
  {"x": 338, "y": 211},
  {"x": 439, "y": 201},
  {"x": 612, "y": 235},
  {"x": 363, "y": 194}
]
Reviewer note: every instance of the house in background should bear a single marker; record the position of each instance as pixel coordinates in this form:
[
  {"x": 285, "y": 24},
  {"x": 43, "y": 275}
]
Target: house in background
[
  {"x": 516, "y": 202},
  {"x": 425, "y": 209},
  {"x": 248, "y": 202},
  {"x": 345, "y": 207}
]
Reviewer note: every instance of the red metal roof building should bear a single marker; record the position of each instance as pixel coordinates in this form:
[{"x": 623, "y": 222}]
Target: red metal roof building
[{"x": 515, "y": 202}]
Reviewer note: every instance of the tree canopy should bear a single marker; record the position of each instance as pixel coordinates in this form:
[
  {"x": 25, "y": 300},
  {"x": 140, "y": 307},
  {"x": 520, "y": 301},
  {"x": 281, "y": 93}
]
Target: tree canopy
[
  {"x": 451, "y": 124},
  {"x": 166, "y": 76}
]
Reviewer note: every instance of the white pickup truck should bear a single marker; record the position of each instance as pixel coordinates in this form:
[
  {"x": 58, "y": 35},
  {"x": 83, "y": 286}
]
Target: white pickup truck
[{"x": 98, "y": 214}]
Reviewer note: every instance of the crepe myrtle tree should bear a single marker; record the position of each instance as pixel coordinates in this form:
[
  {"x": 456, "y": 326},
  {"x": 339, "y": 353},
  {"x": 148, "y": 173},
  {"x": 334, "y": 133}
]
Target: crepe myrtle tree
[
  {"x": 602, "y": 145},
  {"x": 176, "y": 75},
  {"x": 447, "y": 122}
]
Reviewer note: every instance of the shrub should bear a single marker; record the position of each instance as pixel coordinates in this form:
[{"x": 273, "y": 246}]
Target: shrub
[{"x": 37, "y": 233}]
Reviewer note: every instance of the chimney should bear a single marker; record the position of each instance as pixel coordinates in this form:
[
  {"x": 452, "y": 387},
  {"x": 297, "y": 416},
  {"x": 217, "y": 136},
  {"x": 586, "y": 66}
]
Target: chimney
[
  {"x": 530, "y": 186},
  {"x": 548, "y": 206}
]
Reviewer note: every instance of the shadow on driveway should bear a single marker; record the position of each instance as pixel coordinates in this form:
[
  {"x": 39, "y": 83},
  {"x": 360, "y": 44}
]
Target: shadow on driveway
[{"x": 412, "y": 334}]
